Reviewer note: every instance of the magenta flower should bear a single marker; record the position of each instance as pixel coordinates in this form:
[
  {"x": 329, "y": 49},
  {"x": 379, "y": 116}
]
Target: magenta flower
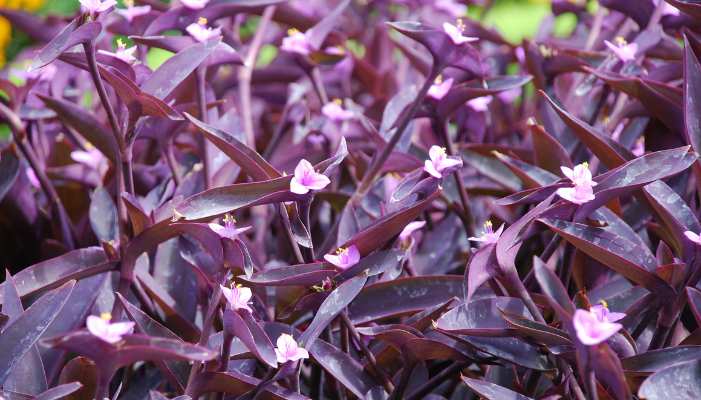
[
  {"x": 133, "y": 11},
  {"x": 455, "y": 33},
  {"x": 306, "y": 178},
  {"x": 440, "y": 88},
  {"x": 488, "y": 235},
  {"x": 195, "y": 4},
  {"x": 694, "y": 237},
  {"x": 580, "y": 175},
  {"x": 288, "y": 350},
  {"x": 97, "y": 6},
  {"x": 107, "y": 331},
  {"x": 238, "y": 297},
  {"x": 440, "y": 162},
  {"x": 411, "y": 228},
  {"x": 451, "y": 7},
  {"x": 596, "y": 325},
  {"x": 123, "y": 53},
  {"x": 201, "y": 32},
  {"x": 577, "y": 195},
  {"x": 296, "y": 42},
  {"x": 623, "y": 50},
  {"x": 335, "y": 112},
  {"x": 480, "y": 104},
  {"x": 92, "y": 158},
  {"x": 228, "y": 230},
  {"x": 344, "y": 258}
]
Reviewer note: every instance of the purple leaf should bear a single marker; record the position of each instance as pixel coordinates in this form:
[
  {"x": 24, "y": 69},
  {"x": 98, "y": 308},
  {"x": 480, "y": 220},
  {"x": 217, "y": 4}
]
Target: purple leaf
[
  {"x": 20, "y": 335},
  {"x": 333, "y": 305},
  {"x": 491, "y": 391},
  {"x": 242, "y": 325},
  {"x": 71, "y": 35},
  {"x": 677, "y": 381}
]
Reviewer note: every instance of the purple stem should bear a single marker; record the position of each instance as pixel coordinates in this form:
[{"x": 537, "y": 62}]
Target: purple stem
[{"x": 20, "y": 137}]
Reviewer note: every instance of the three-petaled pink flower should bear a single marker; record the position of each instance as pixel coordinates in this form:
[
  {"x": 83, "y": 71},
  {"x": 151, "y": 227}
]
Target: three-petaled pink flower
[
  {"x": 694, "y": 237},
  {"x": 455, "y": 32},
  {"x": 92, "y": 158},
  {"x": 440, "y": 88},
  {"x": 440, "y": 162},
  {"x": 623, "y": 50},
  {"x": 296, "y": 42},
  {"x": 451, "y": 7},
  {"x": 194, "y": 4},
  {"x": 123, "y": 53},
  {"x": 480, "y": 104},
  {"x": 228, "y": 230},
  {"x": 344, "y": 257},
  {"x": 43, "y": 74},
  {"x": 133, "y": 11},
  {"x": 288, "y": 349},
  {"x": 596, "y": 325},
  {"x": 201, "y": 32},
  {"x": 334, "y": 111},
  {"x": 238, "y": 297},
  {"x": 581, "y": 177},
  {"x": 306, "y": 178},
  {"x": 488, "y": 235},
  {"x": 408, "y": 230},
  {"x": 106, "y": 330},
  {"x": 97, "y": 6}
]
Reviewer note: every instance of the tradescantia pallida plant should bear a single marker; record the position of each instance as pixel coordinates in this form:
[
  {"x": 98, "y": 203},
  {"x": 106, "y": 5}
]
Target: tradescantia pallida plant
[{"x": 398, "y": 204}]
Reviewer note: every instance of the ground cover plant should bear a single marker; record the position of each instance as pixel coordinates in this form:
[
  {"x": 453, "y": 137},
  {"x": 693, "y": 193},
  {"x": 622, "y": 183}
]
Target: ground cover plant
[{"x": 339, "y": 199}]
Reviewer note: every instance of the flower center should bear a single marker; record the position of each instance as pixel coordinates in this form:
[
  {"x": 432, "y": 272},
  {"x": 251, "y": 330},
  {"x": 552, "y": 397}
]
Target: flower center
[
  {"x": 202, "y": 21},
  {"x": 106, "y": 316}
]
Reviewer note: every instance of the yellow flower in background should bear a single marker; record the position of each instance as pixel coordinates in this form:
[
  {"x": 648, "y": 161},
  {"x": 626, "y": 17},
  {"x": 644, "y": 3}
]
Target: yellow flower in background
[{"x": 6, "y": 27}]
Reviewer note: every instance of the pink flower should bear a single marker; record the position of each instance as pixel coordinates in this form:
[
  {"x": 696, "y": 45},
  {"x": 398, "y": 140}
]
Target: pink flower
[
  {"x": 344, "y": 258},
  {"x": 238, "y": 297},
  {"x": 288, "y": 349},
  {"x": 123, "y": 53},
  {"x": 455, "y": 33},
  {"x": 33, "y": 179},
  {"x": 132, "y": 11},
  {"x": 195, "y": 4},
  {"x": 577, "y": 194},
  {"x": 201, "y": 32},
  {"x": 107, "y": 331},
  {"x": 336, "y": 113},
  {"x": 480, "y": 104},
  {"x": 451, "y": 7},
  {"x": 296, "y": 42},
  {"x": 409, "y": 229},
  {"x": 488, "y": 235},
  {"x": 440, "y": 162},
  {"x": 229, "y": 229},
  {"x": 97, "y": 6},
  {"x": 440, "y": 88},
  {"x": 596, "y": 325},
  {"x": 580, "y": 175},
  {"x": 43, "y": 74},
  {"x": 92, "y": 158},
  {"x": 582, "y": 191},
  {"x": 623, "y": 50},
  {"x": 306, "y": 178},
  {"x": 694, "y": 237}
]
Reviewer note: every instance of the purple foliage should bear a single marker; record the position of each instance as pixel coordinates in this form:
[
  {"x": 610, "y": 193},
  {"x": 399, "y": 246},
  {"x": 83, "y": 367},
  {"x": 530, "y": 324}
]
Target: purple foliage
[{"x": 382, "y": 211}]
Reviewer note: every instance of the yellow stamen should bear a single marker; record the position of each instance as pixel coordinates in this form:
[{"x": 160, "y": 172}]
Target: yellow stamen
[
  {"x": 129, "y": 3},
  {"x": 439, "y": 80},
  {"x": 202, "y": 21},
  {"x": 120, "y": 44},
  {"x": 488, "y": 224},
  {"x": 106, "y": 316},
  {"x": 292, "y": 32},
  {"x": 229, "y": 218},
  {"x": 585, "y": 165},
  {"x": 620, "y": 40},
  {"x": 461, "y": 25},
  {"x": 604, "y": 303},
  {"x": 341, "y": 250},
  {"x": 338, "y": 101},
  {"x": 88, "y": 146}
]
